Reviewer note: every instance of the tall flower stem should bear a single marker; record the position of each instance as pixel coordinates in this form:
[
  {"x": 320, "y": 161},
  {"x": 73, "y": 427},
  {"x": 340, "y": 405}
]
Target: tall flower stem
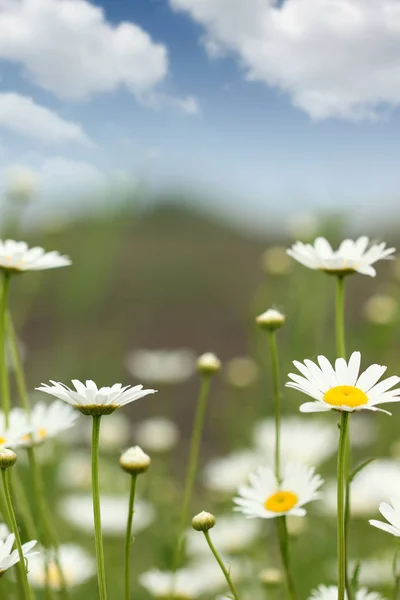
[
  {"x": 14, "y": 527},
  {"x": 5, "y": 391},
  {"x": 284, "y": 548},
  {"x": 341, "y": 513},
  {"x": 221, "y": 564},
  {"x": 194, "y": 452},
  {"x": 277, "y": 401},
  {"x": 340, "y": 338},
  {"x": 101, "y": 575},
  {"x": 128, "y": 541}
]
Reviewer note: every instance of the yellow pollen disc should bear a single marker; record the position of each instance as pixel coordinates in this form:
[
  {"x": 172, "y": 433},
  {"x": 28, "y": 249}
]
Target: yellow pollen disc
[
  {"x": 345, "y": 395},
  {"x": 41, "y": 433},
  {"x": 281, "y": 501},
  {"x": 2, "y": 440}
]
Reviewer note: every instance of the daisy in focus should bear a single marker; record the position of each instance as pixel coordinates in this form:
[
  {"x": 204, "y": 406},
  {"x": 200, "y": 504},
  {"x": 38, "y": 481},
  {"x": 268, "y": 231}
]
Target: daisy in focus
[
  {"x": 8, "y": 556},
  {"x": 16, "y": 257},
  {"x": 331, "y": 593},
  {"x": 351, "y": 257},
  {"x": 342, "y": 387},
  {"x": 391, "y": 512},
  {"x": 91, "y": 400},
  {"x": 76, "y": 564},
  {"x": 266, "y": 498},
  {"x": 45, "y": 421}
]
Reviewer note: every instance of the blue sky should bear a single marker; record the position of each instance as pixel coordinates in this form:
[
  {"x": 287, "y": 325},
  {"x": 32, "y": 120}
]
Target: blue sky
[{"x": 268, "y": 108}]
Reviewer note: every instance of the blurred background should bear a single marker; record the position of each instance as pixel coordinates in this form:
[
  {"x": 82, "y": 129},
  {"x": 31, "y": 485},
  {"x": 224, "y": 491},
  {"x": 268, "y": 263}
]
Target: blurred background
[{"x": 174, "y": 150}]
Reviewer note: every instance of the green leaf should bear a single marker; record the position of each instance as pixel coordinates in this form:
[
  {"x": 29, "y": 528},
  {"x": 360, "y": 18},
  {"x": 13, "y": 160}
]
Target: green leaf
[{"x": 358, "y": 469}]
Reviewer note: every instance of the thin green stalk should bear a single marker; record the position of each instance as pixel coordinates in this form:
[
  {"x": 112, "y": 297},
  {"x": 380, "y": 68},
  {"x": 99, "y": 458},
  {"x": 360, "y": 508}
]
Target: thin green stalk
[
  {"x": 284, "y": 548},
  {"x": 340, "y": 339},
  {"x": 341, "y": 521},
  {"x": 192, "y": 465},
  {"x": 221, "y": 564},
  {"x": 277, "y": 401},
  {"x": 128, "y": 541},
  {"x": 17, "y": 362},
  {"x": 5, "y": 391},
  {"x": 101, "y": 575},
  {"x": 14, "y": 527}
]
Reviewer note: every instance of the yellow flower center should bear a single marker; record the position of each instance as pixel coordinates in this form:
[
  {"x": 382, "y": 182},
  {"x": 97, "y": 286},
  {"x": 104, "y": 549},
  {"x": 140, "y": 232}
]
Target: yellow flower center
[
  {"x": 281, "y": 501},
  {"x": 53, "y": 576},
  {"x": 40, "y": 433},
  {"x": 2, "y": 440},
  {"x": 345, "y": 395}
]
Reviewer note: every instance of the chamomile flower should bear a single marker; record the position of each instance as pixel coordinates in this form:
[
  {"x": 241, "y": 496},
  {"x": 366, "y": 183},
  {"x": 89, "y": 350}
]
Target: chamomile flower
[
  {"x": 17, "y": 257},
  {"x": 267, "y": 499},
  {"x": 184, "y": 584},
  {"x": 10, "y": 557},
  {"x": 331, "y": 593},
  {"x": 350, "y": 257},
  {"x": 76, "y": 564},
  {"x": 91, "y": 400},
  {"x": 391, "y": 512},
  {"x": 13, "y": 434},
  {"x": 45, "y": 421},
  {"x": 342, "y": 387},
  {"x": 224, "y": 475}
]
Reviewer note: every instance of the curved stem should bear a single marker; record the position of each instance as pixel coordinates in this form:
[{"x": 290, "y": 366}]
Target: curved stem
[
  {"x": 128, "y": 541},
  {"x": 192, "y": 465},
  {"x": 101, "y": 575},
  {"x": 277, "y": 401},
  {"x": 285, "y": 555},
  {"x": 14, "y": 527},
  {"x": 341, "y": 522},
  {"x": 5, "y": 391},
  {"x": 221, "y": 564}
]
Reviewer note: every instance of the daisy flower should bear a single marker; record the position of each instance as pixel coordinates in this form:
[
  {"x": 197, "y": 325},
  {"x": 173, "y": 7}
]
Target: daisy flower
[
  {"x": 8, "y": 556},
  {"x": 91, "y": 400},
  {"x": 184, "y": 584},
  {"x": 76, "y": 564},
  {"x": 158, "y": 434},
  {"x": 13, "y": 434},
  {"x": 16, "y": 257},
  {"x": 350, "y": 257},
  {"x": 225, "y": 474},
  {"x": 342, "y": 388},
  {"x": 331, "y": 593},
  {"x": 391, "y": 512},
  {"x": 267, "y": 499},
  {"x": 162, "y": 366},
  {"x": 45, "y": 421}
]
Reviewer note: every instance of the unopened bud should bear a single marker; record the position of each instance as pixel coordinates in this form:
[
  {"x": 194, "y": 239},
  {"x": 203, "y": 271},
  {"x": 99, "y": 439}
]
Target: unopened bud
[
  {"x": 208, "y": 364},
  {"x": 203, "y": 521},
  {"x": 134, "y": 461},
  {"x": 8, "y": 458},
  {"x": 271, "y": 319},
  {"x": 271, "y": 577}
]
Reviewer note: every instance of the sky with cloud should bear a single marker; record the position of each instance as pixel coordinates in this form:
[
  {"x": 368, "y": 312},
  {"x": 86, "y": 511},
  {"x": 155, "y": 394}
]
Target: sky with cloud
[{"x": 264, "y": 105}]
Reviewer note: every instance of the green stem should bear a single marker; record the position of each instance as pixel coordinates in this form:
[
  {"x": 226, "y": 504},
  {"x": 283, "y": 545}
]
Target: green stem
[
  {"x": 285, "y": 555},
  {"x": 221, "y": 564},
  {"x": 14, "y": 527},
  {"x": 16, "y": 358},
  {"x": 101, "y": 575},
  {"x": 340, "y": 340},
  {"x": 192, "y": 465},
  {"x": 5, "y": 391},
  {"x": 128, "y": 541},
  {"x": 341, "y": 521},
  {"x": 277, "y": 401}
]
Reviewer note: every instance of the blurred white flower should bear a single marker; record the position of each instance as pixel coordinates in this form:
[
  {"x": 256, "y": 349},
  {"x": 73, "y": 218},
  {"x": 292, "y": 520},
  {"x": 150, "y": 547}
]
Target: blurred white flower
[
  {"x": 116, "y": 432},
  {"x": 241, "y": 372},
  {"x": 4, "y": 531},
  {"x": 45, "y": 421},
  {"x": 10, "y": 557},
  {"x": 184, "y": 584},
  {"x": 16, "y": 257},
  {"x": 12, "y": 435},
  {"x": 76, "y": 564},
  {"x": 376, "y": 571},
  {"x": 374, "y": 484},
  {"x": 331, "y": 593},
  {"x": 78, "y": 510},
  {"x": 275, "y": 261},
  {"x": 351, "y": 256},
  {"x": 381, "y": 309},
  {"x": 302, "y": 226},
  {"x": 21, "y": 183},
  {"x": 210, "y": 573},
  {"x": 157, "y": 435},
  {"x": 266, "y": 498},
  {"x": 75, "y": 470},
  {"x": 226, "y": 474},
  {"x": 161, "y": 366},
  {"x": 230, "y": 535}
]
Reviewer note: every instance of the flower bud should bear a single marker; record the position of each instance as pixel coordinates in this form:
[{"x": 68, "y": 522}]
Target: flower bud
[
  {"x": 203, "y": 521},
  {"x": 8, "y": 458},
  {"x": 208, "y": 364},
  {"x": 271, "y": 319},
  {"x": 271, "y": 576},
  {"x": 134, "y": 461}
]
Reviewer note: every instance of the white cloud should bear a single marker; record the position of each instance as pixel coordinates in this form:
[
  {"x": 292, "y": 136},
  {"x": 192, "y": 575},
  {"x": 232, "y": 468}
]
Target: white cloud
[
  {"x": 68, "y": 48},
  {"x": 335, "y": 58},
  {"x": 22, "y": 115},
  {"x": 187, "y": 104}
]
